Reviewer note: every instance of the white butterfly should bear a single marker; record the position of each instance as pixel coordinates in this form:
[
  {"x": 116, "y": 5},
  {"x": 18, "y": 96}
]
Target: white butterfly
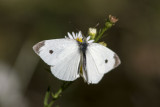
[{"x": 67, "y": 56}]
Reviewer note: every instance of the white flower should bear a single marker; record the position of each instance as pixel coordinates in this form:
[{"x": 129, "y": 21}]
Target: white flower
[{"x": 78, "y": 36}]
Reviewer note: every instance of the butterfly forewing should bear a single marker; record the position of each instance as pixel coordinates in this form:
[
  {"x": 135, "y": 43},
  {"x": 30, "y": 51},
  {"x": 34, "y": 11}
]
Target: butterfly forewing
[{"x": 62, "y": 55}]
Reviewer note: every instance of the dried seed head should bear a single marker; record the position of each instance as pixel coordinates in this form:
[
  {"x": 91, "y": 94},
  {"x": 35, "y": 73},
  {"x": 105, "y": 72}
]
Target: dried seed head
[{"x": 113, "y": 19}]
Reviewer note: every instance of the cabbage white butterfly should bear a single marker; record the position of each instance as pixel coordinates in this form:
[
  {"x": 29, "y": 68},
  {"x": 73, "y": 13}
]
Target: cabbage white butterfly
[{"x": 67, "y": 56}]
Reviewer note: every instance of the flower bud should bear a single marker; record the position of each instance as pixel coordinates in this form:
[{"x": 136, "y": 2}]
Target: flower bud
[{"x": 92, "y": 32}]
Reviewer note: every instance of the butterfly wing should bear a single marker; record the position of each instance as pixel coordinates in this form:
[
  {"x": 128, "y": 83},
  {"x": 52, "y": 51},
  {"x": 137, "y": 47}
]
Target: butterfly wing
[
  {"x": 62, "y": 55},
  {"x": 99, "y": 60},
  {"x": 90, "y": 70}
]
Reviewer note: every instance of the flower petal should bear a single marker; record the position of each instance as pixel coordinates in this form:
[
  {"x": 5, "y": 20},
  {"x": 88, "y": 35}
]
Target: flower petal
[
  {"x": 79, "y": 34},
  {"x": 70, "y": 36},
  {"x": 73, "y": 34},
  {"x": 66, "y": 37},
  {"x": 88, "y": 38},
  {"x": 90, "y": 41}
]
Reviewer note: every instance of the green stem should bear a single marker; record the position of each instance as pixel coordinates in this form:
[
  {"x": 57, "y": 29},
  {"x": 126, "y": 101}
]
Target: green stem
[
  {"x": 55, "y": 96},
  {"x": 47, "y": 97},
  {"x": 108, "y": 25},
  {"x": 51, "y": 103},
  {"x": 100, "y": 34}
]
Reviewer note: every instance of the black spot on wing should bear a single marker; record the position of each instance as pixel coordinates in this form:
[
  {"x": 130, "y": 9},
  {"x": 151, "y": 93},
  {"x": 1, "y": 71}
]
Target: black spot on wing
[
  {"x": 117, "y": 60},
  {"x": 106, "y": 61},
  {"x": 50, "y": 51},
  {"x": 37, "y": 47}
]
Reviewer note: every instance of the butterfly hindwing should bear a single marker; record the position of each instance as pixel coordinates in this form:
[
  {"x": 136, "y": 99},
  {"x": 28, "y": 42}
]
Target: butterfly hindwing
[
  {"x": 67, "y": 69},
  {"x": 91, "y": 74}
]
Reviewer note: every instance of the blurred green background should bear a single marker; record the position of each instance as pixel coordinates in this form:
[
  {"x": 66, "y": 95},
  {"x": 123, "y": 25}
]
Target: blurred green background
[{"x": 135, "y": 38}]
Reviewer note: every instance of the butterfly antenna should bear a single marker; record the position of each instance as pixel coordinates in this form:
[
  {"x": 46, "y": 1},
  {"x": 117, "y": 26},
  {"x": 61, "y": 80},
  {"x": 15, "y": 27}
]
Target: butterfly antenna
[{"x": 96, "y": 25}]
